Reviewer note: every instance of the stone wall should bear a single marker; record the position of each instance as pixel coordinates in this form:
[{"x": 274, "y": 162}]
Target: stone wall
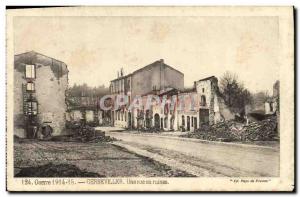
[{"x": 223, "y": 112}]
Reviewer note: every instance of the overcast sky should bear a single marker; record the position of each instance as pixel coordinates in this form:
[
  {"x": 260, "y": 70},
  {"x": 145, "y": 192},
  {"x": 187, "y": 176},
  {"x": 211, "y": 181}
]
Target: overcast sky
[{"x": 95, "y": 48}]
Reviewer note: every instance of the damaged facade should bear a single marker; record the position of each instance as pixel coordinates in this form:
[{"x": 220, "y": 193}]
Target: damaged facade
[
  {"x": 165, "y": 82},
  {"x": 40, "y": 84},
  {"x": 208, "y": 109}
]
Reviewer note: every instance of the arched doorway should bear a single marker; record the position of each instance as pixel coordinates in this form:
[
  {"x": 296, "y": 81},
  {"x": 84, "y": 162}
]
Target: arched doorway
[
  {"x": 203, "y": 117},
  {"x": 195, "y": 123},
  {"x": 166, "y": 122},
  {"x": 156, "y": 121},
  {"x": 172, "y": 123}
]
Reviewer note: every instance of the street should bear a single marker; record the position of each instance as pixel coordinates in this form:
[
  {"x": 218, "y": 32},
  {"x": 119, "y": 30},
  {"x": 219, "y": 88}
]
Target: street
[
  {"x": 200, "y": 158},
  {"x": 48, "y": 159}
]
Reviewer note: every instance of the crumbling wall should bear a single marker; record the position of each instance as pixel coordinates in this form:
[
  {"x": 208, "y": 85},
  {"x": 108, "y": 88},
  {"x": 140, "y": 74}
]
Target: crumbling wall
[
  {"x": 218, "y": 110},
  {"x": 224, "y": 111}
]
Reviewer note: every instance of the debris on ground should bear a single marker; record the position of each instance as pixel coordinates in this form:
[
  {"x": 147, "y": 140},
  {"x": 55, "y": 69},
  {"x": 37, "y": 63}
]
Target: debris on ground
[
  {"x": 83, "y": 133},
  {"x": 261, "y": 130},
  {"x": 265, "y": 130},
  {"x": 58, "y": 170}
]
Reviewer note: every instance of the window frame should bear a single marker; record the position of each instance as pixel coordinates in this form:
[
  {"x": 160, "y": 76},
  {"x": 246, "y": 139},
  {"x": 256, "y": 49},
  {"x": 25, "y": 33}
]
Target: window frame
[
  {"x": 32, "y": 73},
  {"x": 203, "y": 102},
  {"x": 32, "y": 87},
  {"x": 30, "y": 110}
]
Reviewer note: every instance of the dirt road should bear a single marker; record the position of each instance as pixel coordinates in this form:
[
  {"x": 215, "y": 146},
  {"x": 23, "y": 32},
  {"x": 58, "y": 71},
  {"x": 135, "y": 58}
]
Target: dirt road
[
  {"x": 206, "y": 159},
  {"x": 103, "y": 158}
]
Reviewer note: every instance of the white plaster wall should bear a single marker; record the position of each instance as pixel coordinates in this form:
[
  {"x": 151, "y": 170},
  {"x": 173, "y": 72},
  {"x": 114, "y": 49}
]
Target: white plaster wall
[{"x": 50, "y": 94}]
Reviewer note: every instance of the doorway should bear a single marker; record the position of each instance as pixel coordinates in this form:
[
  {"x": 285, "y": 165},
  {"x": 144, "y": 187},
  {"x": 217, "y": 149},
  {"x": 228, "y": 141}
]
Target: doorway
[
  {"x": 129, "y": 120},
  {"x": 172, "y": 123},
  {"x": 156, "y": 121},
  {"x": 195, "y": 123},
  {"x": 188, "y": 123}
]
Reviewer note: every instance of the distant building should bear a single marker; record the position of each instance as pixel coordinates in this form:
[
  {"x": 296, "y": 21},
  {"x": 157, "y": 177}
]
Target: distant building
[
  {"x": 40, "y": 84},
  {"x": 156, "y": 76}
]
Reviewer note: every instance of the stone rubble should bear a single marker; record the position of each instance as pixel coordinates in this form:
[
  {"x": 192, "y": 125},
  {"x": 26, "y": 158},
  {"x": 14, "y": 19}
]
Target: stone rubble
[{"x": 265, "y": 130}]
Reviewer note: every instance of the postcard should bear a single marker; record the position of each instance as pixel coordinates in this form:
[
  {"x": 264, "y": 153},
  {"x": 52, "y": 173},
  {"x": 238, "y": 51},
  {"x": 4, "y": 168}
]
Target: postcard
[{"x": 150, "y": 99}]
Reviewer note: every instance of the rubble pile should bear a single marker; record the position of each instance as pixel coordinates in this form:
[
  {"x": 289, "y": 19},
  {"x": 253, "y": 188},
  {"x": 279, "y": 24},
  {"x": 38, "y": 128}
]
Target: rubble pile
[
  {"x": 265, "y": 130},
  {"x": 84, "y": 133},
  {"x": 217, "y": 132},
  {"x": 261, "y": 131}
]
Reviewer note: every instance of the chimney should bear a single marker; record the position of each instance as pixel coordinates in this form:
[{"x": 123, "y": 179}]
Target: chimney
[
  {"x": 161, "y": 60},
  {"x": 121, "y": 72},
  {"x": 118, "y": 74}
]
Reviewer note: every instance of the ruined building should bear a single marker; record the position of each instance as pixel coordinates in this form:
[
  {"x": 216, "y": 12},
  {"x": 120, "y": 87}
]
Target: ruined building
[
  {"x": 166, "y": 82},
  {"x": 40, "y": 84},
  {"x": 195, "y": 107},
  {"x": 209, "y": 109}
]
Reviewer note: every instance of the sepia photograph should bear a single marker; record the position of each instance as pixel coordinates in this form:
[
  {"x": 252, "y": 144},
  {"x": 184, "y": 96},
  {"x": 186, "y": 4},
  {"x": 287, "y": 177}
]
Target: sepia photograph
[{"x": 150, "y": 99}]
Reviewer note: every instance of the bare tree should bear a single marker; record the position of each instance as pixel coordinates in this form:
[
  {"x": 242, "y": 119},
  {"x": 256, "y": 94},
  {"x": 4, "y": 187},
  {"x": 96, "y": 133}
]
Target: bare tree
[{"x": 234, "y": 93}]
